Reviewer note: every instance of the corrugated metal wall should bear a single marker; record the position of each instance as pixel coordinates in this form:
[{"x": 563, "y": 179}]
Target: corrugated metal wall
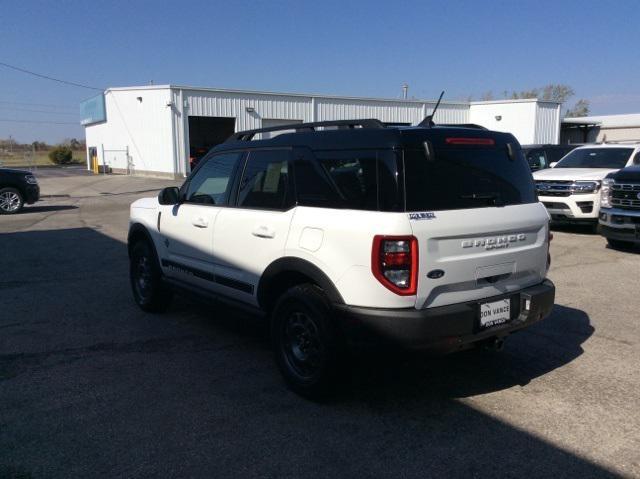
[
  {"x": 249, "y": 109},
  {"x": 547, "y": 128},
  {"x": 312, "y": 108},
  {"x": 389, "y": 111},
  {"x": 153, "y": 121}
]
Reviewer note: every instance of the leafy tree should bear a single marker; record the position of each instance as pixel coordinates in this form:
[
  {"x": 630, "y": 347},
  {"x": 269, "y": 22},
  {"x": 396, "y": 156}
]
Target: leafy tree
[{"x": 61, "y": 155}]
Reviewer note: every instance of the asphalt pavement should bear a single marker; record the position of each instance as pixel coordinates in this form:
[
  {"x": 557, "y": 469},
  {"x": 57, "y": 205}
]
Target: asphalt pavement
[{"x": 90, "y": 386}]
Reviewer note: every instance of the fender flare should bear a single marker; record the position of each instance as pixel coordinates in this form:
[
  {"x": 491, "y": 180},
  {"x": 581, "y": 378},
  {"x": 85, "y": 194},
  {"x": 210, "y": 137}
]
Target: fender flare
[
  {"x": 138, "y": 229},
  {"x": 300, "y": 266}
]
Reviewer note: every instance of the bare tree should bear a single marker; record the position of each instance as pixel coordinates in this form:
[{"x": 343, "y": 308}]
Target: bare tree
[
  {"x": 487, "y": 96},
  {"x": 551, "y": 92},
  {"x": 581, "y": 108}
]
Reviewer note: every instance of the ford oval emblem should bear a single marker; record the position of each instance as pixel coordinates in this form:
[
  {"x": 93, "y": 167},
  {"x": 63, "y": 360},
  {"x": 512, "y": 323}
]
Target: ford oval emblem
[
  {"x": 639, "y": 196},
  {"x": 435, "y": 274}
]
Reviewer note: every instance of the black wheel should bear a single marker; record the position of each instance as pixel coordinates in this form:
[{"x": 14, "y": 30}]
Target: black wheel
[
  {"x": 149, "y": 291},
  {"x": 619, "y": 244},
  {"x": 305, "y": 341},
  {"x": 11, "y": 201}
]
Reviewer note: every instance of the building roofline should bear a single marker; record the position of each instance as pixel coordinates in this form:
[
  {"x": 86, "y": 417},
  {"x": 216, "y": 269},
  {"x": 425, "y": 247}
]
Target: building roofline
[
  {"x": 514, "y": 100},
  {"x": 299, "y": 95}
]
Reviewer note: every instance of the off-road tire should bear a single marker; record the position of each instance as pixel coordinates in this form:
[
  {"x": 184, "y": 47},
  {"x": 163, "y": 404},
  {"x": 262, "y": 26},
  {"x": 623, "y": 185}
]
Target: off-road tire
[
  {"x": 306, "y": 343},
  {"x": 150, "y": 292}
]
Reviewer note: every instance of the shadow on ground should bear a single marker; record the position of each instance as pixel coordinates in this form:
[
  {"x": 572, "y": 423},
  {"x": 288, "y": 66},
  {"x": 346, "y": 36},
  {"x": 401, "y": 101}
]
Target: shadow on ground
[
  {"x": 92, "y": 387},
  {"x": 577, "y": 228},
  {"x": 46, "y": 209}
]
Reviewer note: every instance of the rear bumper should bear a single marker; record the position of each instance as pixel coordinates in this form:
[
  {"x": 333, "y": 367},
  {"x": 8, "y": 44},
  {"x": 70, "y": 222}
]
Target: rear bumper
[{"x": 445, "y": 328}]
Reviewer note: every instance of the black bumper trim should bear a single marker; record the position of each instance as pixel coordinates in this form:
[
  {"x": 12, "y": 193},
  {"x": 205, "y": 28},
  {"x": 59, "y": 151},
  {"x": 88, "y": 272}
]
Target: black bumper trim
[
  {"x": 445, "y": 328},
  {"x": 621, "y": 234}
]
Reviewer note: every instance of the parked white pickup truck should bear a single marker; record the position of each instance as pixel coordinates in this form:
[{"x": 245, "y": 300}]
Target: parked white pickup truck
[{"x": 570, "y": 189}]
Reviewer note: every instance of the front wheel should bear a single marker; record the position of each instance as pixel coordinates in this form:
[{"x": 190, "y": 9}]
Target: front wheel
[
  {"x": 11, "y": 201},
  {"x": 149, "y": 291},
  {"x": 305, "y": 341}
]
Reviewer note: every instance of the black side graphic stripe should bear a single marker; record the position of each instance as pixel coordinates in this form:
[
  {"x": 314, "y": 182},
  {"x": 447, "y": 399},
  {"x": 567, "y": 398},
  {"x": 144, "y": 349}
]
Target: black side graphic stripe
[
  {"x": 234, "y": 283},
  {"x": 198, "y": 273}
]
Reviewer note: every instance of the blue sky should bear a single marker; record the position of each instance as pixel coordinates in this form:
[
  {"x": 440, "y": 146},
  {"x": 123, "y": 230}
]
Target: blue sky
[{"x": 366, "y": 48}]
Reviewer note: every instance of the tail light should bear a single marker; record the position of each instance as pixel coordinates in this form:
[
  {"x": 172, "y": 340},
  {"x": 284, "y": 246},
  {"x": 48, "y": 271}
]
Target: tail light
[
  {"x": 549, "y": 239},
  {"x": 394, "y": 262}
]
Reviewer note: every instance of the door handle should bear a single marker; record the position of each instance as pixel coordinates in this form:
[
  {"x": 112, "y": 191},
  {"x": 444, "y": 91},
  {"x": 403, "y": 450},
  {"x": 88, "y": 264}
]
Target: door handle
[
  {"x": 199, "y": 222},
  {"x": 264, "y": 232}
]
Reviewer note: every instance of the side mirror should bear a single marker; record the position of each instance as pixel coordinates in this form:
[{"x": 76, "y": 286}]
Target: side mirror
[
  {"x": 553, "y": 164},
  {"x": 169, "y": 195}
]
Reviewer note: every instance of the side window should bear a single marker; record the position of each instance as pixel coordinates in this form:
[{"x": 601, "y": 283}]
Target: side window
[
  {"x": 636, "y": 159},
  {"x": 355, "y": 181},
  {"x": 359, "y": 180},
  {"x": 211, "y": 184},
  {"x": 265, "y": 180},
  {"x": 536, "y": 159}
]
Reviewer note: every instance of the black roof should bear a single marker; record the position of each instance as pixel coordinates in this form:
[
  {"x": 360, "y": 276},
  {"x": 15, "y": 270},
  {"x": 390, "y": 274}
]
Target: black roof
[{"x": 372, "y": 134}]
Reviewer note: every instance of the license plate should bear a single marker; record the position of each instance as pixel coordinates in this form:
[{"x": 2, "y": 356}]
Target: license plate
[{"x": 494, "y": 313}]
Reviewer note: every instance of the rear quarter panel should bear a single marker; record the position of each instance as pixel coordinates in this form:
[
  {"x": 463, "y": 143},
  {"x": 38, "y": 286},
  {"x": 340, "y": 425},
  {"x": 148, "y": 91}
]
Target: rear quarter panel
[{"x": 339, "y": 242}]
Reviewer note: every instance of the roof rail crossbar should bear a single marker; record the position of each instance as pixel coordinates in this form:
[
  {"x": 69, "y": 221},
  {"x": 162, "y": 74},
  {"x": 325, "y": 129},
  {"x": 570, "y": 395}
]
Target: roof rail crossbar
[{"x": 302, "y": 127}]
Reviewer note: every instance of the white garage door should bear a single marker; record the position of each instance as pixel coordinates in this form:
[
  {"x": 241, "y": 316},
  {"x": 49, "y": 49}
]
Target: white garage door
[{"x": 269, "y": 122}]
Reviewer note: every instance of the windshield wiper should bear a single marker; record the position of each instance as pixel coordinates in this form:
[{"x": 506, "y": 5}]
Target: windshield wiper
[{"x": 493, "y": 199}]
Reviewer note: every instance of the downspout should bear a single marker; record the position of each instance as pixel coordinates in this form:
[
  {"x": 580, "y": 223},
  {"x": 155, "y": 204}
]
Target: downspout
[{"x": 174, "y": 135}]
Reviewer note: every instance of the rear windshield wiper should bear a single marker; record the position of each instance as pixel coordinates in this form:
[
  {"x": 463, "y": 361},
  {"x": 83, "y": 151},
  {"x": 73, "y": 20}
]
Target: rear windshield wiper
[{"x": 492, "y": 199}]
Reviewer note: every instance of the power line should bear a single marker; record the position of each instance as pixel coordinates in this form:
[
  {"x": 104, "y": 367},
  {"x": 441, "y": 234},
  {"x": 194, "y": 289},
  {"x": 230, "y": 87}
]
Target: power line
[
  {"x": 8, "y": 120},
  {"x": 45, "y": 105},
  {"x": 50, "y": 112},
  {"x": 46, "y": 77}
]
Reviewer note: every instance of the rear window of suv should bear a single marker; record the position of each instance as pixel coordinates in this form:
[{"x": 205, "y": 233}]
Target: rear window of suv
[
  {"x": 596, "y": 158},
  {"x": 466, "y": 177}
]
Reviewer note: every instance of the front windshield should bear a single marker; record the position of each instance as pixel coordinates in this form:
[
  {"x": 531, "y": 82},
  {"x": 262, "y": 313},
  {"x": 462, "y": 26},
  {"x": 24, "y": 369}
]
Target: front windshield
[{"x": 613, "y": 158}]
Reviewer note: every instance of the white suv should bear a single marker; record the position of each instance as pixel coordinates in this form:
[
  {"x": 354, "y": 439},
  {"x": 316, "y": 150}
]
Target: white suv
[
  {"x": 570, "y": 189},
  {"x": 350, "y": 232}
]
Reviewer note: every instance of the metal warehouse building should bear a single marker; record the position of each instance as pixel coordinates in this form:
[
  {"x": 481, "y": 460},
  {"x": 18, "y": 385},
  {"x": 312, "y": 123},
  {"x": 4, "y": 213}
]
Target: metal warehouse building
[
  {"x": 597, "y": 129},
  {"x": 155, "y": 130}
]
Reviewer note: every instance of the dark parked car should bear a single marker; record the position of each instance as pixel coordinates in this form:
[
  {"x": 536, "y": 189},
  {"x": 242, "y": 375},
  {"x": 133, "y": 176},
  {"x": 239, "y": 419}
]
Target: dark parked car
[
  {"x": 17, "y": 187},
  {"x": 540, "y": 157}
]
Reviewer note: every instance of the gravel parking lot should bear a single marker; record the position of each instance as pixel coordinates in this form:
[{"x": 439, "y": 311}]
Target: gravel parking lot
[{"x": 90, "y": 386}]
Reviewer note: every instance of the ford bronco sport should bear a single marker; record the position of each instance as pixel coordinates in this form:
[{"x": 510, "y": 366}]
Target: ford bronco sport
[{"x": 348, "y": 232}]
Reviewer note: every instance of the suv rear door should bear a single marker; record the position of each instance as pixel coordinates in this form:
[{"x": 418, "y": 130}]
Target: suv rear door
[{"x": 487, "y": 232}]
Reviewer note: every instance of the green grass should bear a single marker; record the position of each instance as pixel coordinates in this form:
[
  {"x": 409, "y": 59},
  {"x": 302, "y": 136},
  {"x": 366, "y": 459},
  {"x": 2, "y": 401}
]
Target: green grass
[{"x": 40, "y": 158}]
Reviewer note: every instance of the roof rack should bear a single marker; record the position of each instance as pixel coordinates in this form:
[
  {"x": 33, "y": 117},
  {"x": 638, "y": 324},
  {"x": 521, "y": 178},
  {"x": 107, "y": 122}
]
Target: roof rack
[
  {"x": 462, "y": 125},
  {"x": 300, "y": 127}
]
